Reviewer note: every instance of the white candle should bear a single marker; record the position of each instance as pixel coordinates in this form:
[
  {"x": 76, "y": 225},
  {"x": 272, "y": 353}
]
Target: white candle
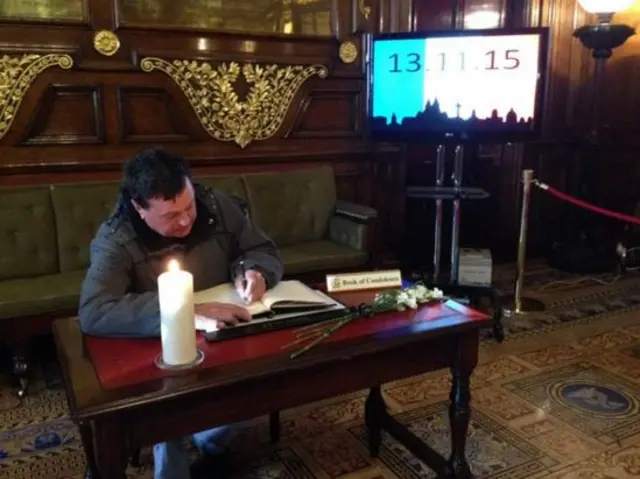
[{"x": 177, "y": 319}]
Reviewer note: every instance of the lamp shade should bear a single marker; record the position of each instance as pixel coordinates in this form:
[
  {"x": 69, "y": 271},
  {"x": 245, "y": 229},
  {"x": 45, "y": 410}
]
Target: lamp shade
[{"x": 605, "y": 6}]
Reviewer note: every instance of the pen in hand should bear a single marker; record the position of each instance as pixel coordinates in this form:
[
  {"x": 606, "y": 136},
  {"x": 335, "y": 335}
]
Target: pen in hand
[{"x": 243, "y": 283}]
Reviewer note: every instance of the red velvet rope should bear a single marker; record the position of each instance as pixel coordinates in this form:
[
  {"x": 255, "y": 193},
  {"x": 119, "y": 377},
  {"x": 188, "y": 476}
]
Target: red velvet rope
[{"x": 587, "y": 206}]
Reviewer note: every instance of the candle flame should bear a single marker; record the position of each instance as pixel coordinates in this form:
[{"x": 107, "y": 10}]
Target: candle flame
[{"x": 173, "y": 266}]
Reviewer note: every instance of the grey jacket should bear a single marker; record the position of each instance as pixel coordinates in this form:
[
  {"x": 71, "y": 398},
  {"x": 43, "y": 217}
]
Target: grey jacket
[{"x": 119, "y": 293}]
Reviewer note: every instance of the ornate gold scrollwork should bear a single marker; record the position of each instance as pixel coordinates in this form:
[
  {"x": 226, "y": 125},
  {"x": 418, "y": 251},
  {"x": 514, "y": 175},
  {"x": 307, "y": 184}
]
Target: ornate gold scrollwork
[
  {"x": 364, "y": 9},
  {"x": 217, "y": 105},
  {"x": 17, "y": 72}
]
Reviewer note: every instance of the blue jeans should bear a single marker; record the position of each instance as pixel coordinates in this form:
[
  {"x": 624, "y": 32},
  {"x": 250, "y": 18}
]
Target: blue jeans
[{"x": 170, "y": 460}]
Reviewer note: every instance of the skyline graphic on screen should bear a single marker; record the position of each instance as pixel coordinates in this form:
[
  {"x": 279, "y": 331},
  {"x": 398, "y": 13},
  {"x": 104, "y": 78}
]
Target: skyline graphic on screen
[{"x": 455, "y": 83}]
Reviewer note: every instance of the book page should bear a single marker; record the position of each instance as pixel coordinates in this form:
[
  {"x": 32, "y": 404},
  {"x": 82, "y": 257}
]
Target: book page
[
  {"x": 292, "y": 292},
  {"x": 207, "y": 325},
  {"x": 226, "y": 293},
  {"x": 295, "y": 293}
]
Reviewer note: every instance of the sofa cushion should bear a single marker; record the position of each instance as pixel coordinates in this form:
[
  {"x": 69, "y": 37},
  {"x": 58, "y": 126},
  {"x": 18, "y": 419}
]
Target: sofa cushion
[
  {"x": 318, "y": 256},
  {"x": 292, "y": 207},
  {"x": 44, "y": 294},
  {"x": 80, "y": 209},
  {"x": 27, "y": 233}
]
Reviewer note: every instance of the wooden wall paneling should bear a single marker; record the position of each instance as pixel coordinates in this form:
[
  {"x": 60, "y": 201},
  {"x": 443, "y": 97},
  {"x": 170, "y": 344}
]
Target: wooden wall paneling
[
  {"x": 329, "y": 113},
  {"x": 460, "y": 14},
  {"x": 568, "y": 109},
  {"x": 516, "y": 13},
  {"x": 379, "y": 16},
  {"x": 405, "y": 22},
  {"x": 307, "y": 50},
  {"x": 23, "y": 66},
  {"x": 621, "y": 105},
  {"x": 386, "y": 14},
  {"x": 149, "y": 114},
  {"x": 67, "y": 114},
  {"x": 566, "y": 67},
  {"x": 389, "y": 201},
  {"x": 343, "y": 19},
  {"x": 364, "y": 14},
  {"x": 82, "y": 123},
  {"x": 434, "y": 14},
  {"x": 352, "y": 182}
]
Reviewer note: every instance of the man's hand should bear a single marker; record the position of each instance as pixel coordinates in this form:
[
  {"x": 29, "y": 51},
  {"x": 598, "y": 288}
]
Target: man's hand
[
  {"x": 252, "y": 286},
  {"x": 223, "y": 313}
]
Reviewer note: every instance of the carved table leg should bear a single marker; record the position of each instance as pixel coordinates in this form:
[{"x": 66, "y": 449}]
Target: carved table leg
[
  {"x": 108, "y": 449},
  {"x": 459, "y": 411},
  {"x": 374, "y": 413},
  {"x": 498, "y": 311},
  {"x": 274, "y": 426},
  {"x": 87, "y": 443},
  {"x": 498, "y": 330}
]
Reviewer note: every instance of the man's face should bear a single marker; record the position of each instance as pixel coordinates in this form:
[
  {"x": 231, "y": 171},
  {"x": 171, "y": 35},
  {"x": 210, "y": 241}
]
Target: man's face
[{"x": 171, "y": 218}]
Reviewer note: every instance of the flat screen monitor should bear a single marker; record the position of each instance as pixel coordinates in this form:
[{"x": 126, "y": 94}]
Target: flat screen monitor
[{"x": 468, "y": 84}]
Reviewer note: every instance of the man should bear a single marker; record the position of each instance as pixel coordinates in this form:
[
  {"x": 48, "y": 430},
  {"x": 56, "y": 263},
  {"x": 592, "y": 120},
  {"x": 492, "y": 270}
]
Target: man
[{"x": 161, "y": 215}]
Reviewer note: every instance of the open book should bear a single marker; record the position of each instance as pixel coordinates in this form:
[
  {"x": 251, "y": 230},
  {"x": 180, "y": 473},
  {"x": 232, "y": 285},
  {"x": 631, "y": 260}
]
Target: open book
[{"x": 286, "y": 299}]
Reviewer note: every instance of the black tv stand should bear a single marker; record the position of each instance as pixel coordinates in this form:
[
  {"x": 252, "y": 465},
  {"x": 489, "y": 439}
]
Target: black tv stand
[{"x": 456, "y": 193}]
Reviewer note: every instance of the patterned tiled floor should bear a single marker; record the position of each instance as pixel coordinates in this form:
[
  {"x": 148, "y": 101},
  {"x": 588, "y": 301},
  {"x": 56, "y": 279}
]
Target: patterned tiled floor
[{"x": 560, "y": 398}]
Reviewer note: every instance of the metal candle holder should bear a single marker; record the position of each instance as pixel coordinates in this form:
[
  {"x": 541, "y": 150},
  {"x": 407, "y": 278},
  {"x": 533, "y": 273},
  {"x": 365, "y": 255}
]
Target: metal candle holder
[{"x": 160, "y": 364}]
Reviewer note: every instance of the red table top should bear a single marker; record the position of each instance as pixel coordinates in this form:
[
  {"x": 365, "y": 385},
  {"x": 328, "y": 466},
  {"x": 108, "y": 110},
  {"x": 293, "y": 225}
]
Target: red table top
[{"x": 125, "y": 362}]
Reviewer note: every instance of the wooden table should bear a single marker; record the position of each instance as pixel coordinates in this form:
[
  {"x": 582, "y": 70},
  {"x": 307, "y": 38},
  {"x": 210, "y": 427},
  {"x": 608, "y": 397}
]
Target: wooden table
[{"x": 122, "y": 402}]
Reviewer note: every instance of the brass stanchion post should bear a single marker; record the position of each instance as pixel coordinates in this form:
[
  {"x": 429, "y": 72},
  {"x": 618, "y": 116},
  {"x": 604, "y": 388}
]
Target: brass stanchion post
[{"x": 517, "y": 304}]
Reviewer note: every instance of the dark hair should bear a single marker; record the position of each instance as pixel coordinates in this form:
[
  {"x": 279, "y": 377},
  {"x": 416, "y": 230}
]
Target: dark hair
[{"x": 154, "y": 173}]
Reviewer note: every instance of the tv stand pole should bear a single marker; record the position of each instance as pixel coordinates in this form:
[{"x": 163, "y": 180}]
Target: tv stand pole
[
  {"x": 458, "y": 163},
  {"x": 437, "y": 228}
]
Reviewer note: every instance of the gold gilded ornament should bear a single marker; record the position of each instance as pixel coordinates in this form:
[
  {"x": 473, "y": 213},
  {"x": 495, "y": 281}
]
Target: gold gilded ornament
[
  {"x": 17, "y": 72},
  {"x": 364, "y": 9},
  {"x": 106, "y": 43},
  {"x": 348, "y": 52},
  {"x": 210, "y": 90}
]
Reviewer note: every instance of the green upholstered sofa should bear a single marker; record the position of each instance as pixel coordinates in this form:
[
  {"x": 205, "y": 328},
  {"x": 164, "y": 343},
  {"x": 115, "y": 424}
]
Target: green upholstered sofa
[{"x": 46, "y": 231}]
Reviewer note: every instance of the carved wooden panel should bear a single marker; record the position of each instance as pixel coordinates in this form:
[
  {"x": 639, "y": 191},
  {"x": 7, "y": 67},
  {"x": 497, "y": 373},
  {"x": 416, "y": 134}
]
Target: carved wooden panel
[
  {"x": 232, "y": 86},
  {"x": 18, "y": 71},
  {"x": 150, "y": 114},
  {"x": 438, "y": 15},
  {"x": 67, "y": 115},
  {"x": 329, "y": 113}
]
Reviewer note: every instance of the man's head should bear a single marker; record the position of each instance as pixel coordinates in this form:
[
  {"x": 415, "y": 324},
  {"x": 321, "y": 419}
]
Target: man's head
[{"x": 159, "y": 186}]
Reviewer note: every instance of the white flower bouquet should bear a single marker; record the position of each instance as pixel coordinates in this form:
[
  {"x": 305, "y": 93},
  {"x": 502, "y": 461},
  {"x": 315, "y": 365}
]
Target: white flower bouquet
[{"x": 406, "y": 298}]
